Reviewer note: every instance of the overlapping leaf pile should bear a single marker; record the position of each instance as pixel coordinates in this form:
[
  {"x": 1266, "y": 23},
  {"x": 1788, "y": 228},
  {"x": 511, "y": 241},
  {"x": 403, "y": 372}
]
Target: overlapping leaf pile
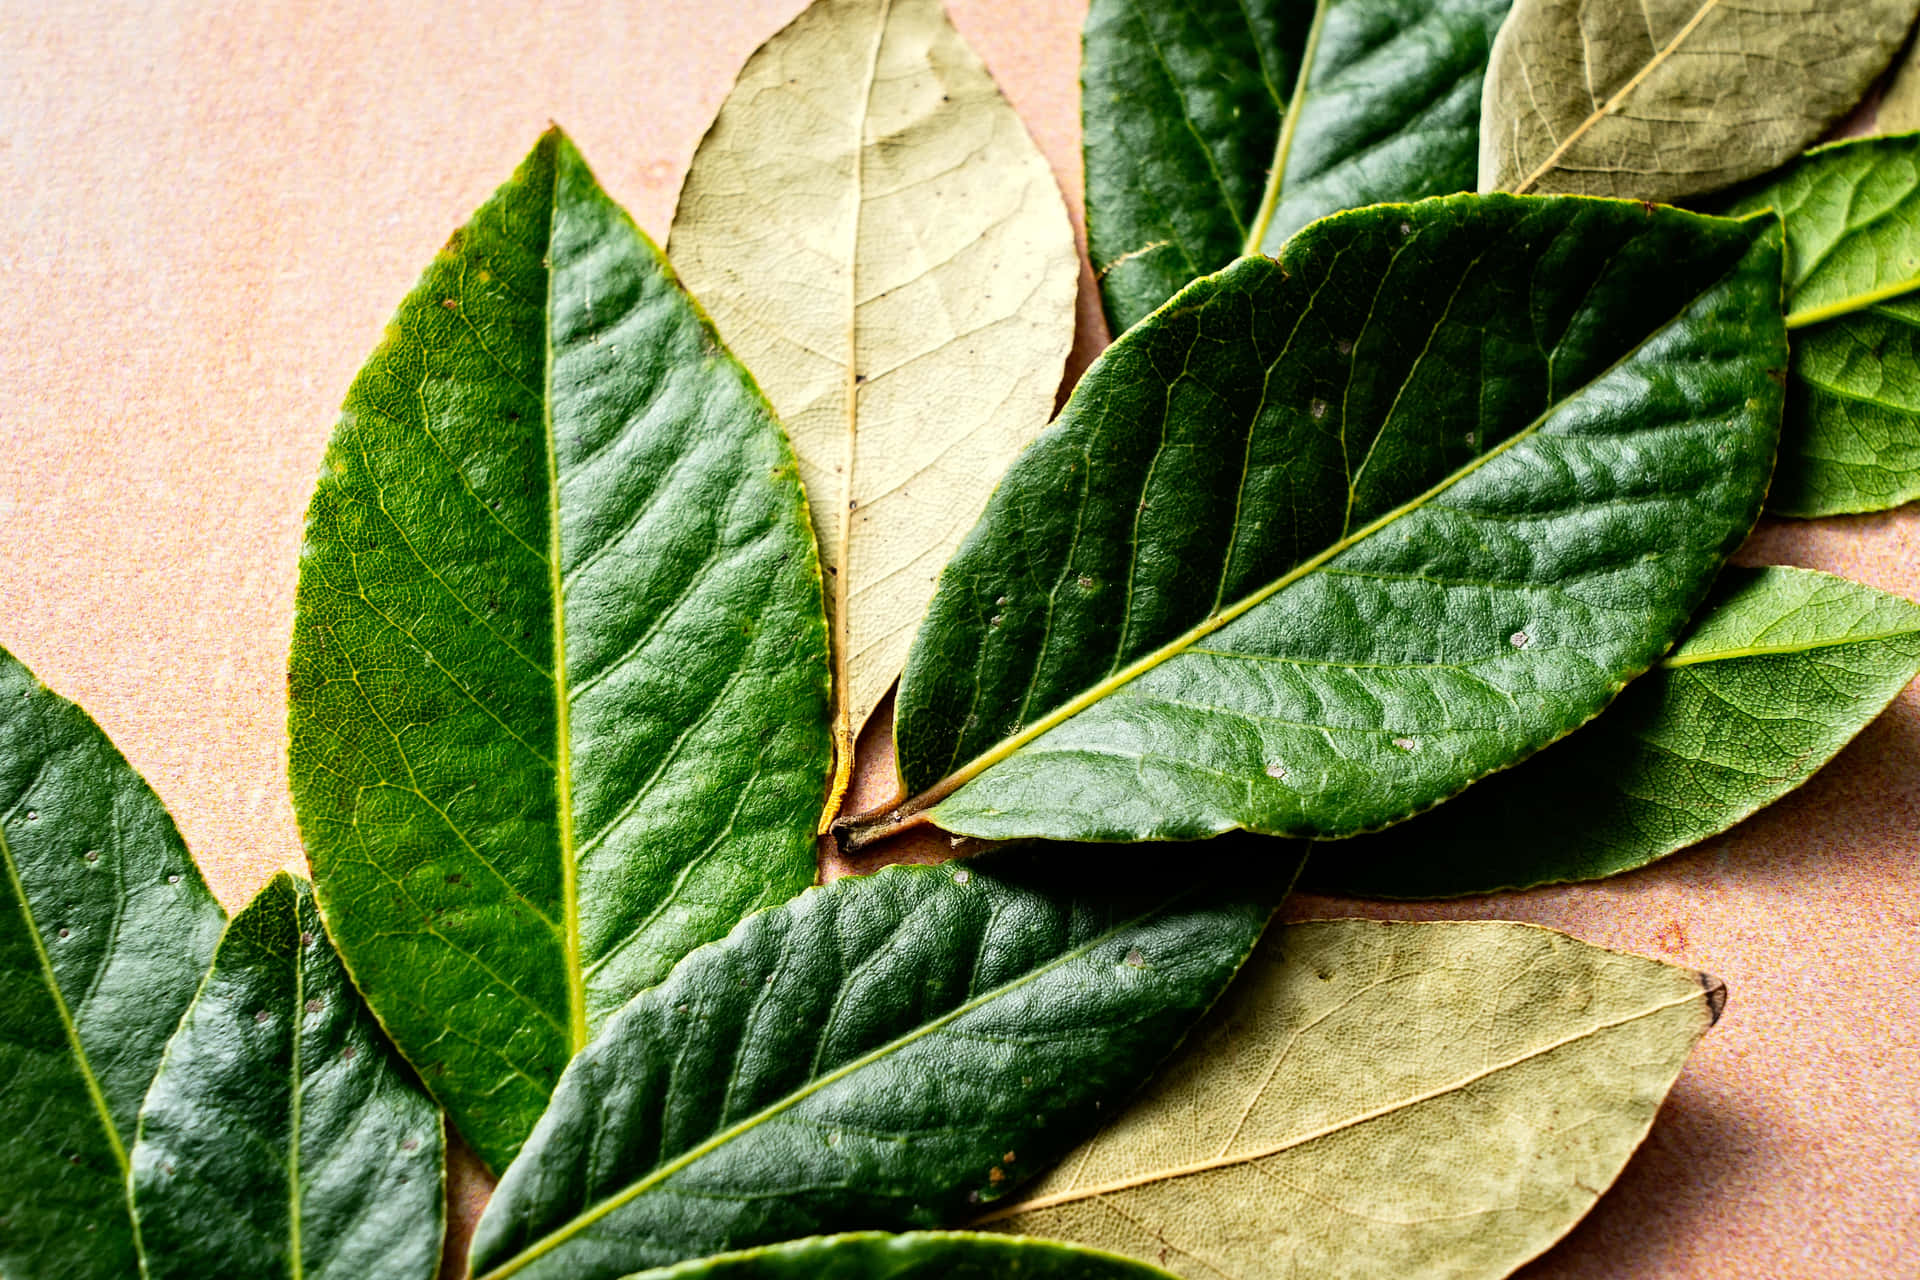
[{"x": 1375, "y": 499}]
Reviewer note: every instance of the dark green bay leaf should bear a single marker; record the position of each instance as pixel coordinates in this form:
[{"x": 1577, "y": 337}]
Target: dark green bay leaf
[
  {"x": 887, "y": 1052},
  {"x": 1194, "y": 157},
  {"x": 106, "y": 930},
  {"x": 558, "y": 681},
  {"x": 282, "y": 1135},
  {"x": 1659, "y": 99},
  {"x": 1780, "y": 670},
  {"x": 1852, "y": 436},
  {"x": 1331, "y": 536},
  {"x": 916, "y": 1255}
]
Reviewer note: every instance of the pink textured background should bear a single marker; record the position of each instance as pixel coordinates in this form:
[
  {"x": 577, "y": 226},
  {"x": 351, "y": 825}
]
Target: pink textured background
[{"x": 209, "y": 209}]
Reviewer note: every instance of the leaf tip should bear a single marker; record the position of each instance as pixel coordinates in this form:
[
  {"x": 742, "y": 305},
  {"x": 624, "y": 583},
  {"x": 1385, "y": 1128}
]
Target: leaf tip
[{"x": 1716, "y": 997}]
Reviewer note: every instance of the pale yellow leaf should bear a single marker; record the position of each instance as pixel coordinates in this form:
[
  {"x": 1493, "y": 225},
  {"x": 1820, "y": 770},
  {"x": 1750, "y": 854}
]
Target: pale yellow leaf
[
  {"x": 1659, "y": 99},
  {"x": 1900, "y": 107},
  {"x": 1385, "y": 1100},
  {"x": 880, "y": 241}
]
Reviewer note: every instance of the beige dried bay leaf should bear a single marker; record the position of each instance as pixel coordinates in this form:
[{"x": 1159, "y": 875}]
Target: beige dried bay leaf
[
  {"x": 1659, "y": 99},
  {"x": 881, "y": 242},
  {"x": 1385, "y": 1099}
]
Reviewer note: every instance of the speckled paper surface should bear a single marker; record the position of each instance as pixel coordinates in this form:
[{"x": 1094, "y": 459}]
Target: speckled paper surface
[{"x": 210, "y": 210}]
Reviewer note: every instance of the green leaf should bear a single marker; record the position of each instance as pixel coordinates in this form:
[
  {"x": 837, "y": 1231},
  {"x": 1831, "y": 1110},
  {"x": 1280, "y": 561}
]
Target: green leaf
[
  {"x": 875, "y": 232},
  {"x": 1375, "y": 1099},
  {"x": 882, "y": 1053},
  {"x": 1658, "y": 99},
  {"x": 1193, "y": 157},
  {"x": 1782, "y": 668},
  {"x": 105, "y": 930},
  {"x": 1852, "y": 435},
  {"x": 918, "y": 1255},
  {"x": 282, "y": 1137},
  {"x": 558, "y": 674},
  {"x": 1331, "y": 536}
]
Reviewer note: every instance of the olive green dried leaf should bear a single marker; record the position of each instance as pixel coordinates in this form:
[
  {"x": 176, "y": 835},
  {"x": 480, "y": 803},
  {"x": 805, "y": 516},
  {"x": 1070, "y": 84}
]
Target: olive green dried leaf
[
  {"x": 1899, "y": 110},
  {"x": 557, "y": 696},
  {"x": 880, "y": 240},
  {"x": 282, "y": 1135},
  {"x": 1659, "y": 99},
  {"x": 1385, "y": 1100},
  {"x": 105, "y": 930},
  {"x": 1781, "y": 668}
]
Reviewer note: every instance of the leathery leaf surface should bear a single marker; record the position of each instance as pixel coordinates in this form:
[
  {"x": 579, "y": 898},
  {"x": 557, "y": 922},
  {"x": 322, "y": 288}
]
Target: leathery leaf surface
[
  {"x": 916, "y": 1255},
  {"x": 282, "y": 1135},
  {"x": 1215, "y": 128},
  {"x": 1331, "y": 536},
  {"x": 1852, "y": 435},
  {"x": 879, "y": 238},
  {"x": 887, "y": 1052},
  {"x": 1658, "y": 99},
  {"x": 558, "y": 682},
  {"x": 1779, "y": 670},
  {"x": 105, "y": 930},
  {"x": 1375, "y": 1099}
]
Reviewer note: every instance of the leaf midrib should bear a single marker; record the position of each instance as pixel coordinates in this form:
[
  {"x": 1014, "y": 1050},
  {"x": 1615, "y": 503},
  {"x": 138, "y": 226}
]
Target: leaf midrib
[
  {"x": 295, "y": 1259},
  {"x": 840, "y": 581},
  {"x": 864, "y": 828},
  {"x": 586, "y": 1218},
  {"x": 1684, "y": 659},
  {"x": 1612, "y": 104},
  {"x": 94, "y": 1092},
  {"x": 1289, "y": 124},
  {"x": 562, "y": 694},
  {"x": 1299, "y": 1140},
  {"x": 1852, "y": 303},
  {"x": 1213, "y": 622}
]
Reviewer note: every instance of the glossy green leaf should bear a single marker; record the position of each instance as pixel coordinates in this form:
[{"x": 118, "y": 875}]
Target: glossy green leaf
[
  {"x": 558, "y": 674},
  {"x": 105, "y": 930},
  {"x": 1331, "y": 536},
  {"x": 282, "y": 1135},
  {"x": 1386, "y": 1100},
  {"x": 1852, "y": 435},
  {"x": 917, "y": 1255},
  {"x": 1193, "y": 156},
  {"x": 1781, "y": 669},
  {"x": 883, "y": 1053},
  {"x": 1658, "y": 99}
]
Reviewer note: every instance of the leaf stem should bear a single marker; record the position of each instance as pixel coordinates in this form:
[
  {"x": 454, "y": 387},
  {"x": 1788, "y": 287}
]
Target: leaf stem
[{"x": 1846, "y": 306}]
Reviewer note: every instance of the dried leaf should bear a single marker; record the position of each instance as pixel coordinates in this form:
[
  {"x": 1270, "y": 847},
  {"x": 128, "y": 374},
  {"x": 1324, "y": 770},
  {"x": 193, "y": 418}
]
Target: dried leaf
[
  {"x": 1388, "y": 1100},
  {"x": 877, "y": 236},
  {"x": 1658, "y": 99}
]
